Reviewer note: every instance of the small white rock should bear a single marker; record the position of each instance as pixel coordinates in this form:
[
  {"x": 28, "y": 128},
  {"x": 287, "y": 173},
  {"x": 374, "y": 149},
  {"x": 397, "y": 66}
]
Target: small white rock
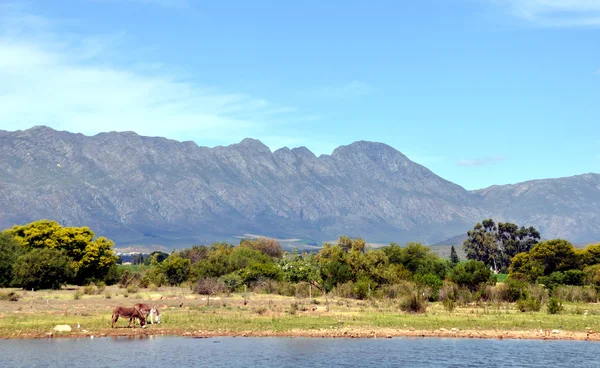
[{"x": 62, "y": 328}]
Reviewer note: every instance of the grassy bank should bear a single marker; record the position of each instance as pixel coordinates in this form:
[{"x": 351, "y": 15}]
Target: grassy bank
[{"x": 36, "y": 313}]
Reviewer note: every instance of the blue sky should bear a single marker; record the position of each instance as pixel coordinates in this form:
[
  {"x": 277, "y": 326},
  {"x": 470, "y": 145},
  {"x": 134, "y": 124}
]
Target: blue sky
[{"x": 481, "y": 92}]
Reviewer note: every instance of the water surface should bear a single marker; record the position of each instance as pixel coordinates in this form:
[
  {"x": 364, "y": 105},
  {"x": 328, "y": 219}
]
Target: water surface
[{"x": 296, "y": 352}]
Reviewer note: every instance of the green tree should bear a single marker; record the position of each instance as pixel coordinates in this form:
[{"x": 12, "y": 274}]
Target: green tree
[
  {"x": 91, "y": 258},
  {"x": 471, "y": 274},
  {"x": 43, "y": 268},
  {"x": 496, "y": 244},
  {"x": 175, "y": 269},
  {"x": 546, "y": 258},
  {"x": 10, "y": 250},
  {"x": 453, "y": 256}
]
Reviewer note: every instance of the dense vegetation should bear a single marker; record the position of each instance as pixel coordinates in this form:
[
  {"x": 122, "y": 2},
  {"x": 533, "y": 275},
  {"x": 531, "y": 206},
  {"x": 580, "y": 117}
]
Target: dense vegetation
[{"x": 44, "y": 254}]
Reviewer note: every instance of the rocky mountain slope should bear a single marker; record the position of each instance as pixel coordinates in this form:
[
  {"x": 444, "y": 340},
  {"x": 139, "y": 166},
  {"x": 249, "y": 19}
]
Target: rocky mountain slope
[{"x": 138, "y": 189}]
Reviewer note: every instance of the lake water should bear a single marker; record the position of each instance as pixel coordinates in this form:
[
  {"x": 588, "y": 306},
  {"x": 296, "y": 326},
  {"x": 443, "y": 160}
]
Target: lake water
[{"x": 298, "y": 352}]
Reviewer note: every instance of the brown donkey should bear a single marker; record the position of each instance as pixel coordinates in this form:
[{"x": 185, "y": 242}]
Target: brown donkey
[{"x": 131, "y": 313}]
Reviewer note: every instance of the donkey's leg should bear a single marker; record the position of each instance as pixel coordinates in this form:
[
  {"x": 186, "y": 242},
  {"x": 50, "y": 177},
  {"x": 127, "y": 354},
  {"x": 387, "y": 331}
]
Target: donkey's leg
[{"x": 115, "y": 319}]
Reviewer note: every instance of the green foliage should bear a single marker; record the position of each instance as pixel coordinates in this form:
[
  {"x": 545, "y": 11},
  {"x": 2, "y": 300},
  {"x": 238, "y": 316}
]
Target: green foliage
[
  {"x": 555, "y": 306},
  {"x": 432, "y": 282},
  {"x": 454, "y": 256},
  {"x": 10, "y": 250},
  {"x": 91, "y": 258},
  {"x": 175, "y": 269},
  {"x": 546, "y": 258},
  {"x": 592, "y": 275},
  {"x": 233, "y": 281},
  {"x": 113, "y": 275},
  {"x": 496, "y": 244},
  {"x": 413, "y": 304},
  {"x": 43, "y": 268},
  {"x": 557, "y": 278},
  {"x": 529, "y": 304},
  {"x": 361, "y": 289},
  {"x": 515, "y": 290},
  {"x": 471, "y": 274}
]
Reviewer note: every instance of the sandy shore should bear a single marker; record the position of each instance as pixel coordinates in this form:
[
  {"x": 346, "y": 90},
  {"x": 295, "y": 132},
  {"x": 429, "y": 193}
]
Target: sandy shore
[{"x": 337, "y": 333}]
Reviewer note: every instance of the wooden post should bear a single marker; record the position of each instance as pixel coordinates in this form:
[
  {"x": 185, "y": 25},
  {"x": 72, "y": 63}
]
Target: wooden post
[
  {"x": 369, "y": 290},
  {"x": 310, "y": 291},
  {"x": 245, "y": 299},
  {"x": 180, "y": 298},
  {"x": 208, "y": 300}
]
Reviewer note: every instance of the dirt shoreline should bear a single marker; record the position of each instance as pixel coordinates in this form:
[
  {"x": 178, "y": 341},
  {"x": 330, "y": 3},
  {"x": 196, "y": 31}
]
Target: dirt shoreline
[{"x": 339, "y": 333}]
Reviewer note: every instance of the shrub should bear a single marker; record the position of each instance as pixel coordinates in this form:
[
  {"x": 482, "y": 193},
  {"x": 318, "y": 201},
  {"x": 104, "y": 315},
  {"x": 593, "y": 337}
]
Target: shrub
[
  {"x": 449, "y": 304},
  {"x": 90, "y": 289},
  {"x": 470, "y": 274},
  {"x": 584, "y": 294},
  {"x": 449, "y": 290},
  {"x": 293, "y": 308},
  {"x": 554, "y": 306},
  {"x": 400, "y": 289},
  {"x": 232, "y": 281},
  {"x": 529, "y": 304},
  {"x": 261, "y": 310},
  {"x": 362, "y": 288},
  {"x": 496, "y": 293},
  {"x": 288, "y": 289},
  {"x": 11, "y": 297},
  {"x": 43, "y": 268},
  {"x": 78, "y": 294},
  {"x": 101, "y": 286},
  {"x": 592, "y": 275},
  {"x": 432, "y": 282},
  {"x": 515, "y": 290},
  {"x": 464, "y": 296},
  {"x": 413, "y": 304},
  {"x": 107, "y": 295},
  {"x": 209, "y": 286},
  {"x": 113, "y": 275},
  {"x": 344, "y": 290},
  {"x": 132, "y": 289},
  {"x": 144, "y": 282},
  {"x": 126, "y": 279},
  {"x": 538, "y": 292}
]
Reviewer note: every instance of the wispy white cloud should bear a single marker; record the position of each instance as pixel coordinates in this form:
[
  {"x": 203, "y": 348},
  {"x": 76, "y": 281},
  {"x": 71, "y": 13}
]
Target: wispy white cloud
[
  {"x": 349, "y": 90},
  {"x": 70, "y": 83},
  {"x": 481, "y": 161},
  {"x": 555, "y": 13},
  {"x": 597, "y": 72},
  {"x": 173, "y": 4}
]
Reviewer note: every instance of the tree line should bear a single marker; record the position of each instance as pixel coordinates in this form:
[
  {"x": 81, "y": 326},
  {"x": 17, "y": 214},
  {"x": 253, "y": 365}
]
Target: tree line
[{"x": 44, "y": 254}]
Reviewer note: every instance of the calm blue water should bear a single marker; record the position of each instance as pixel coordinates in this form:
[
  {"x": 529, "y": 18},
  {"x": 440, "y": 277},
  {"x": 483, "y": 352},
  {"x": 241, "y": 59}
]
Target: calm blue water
[{"x": 299, "y": 352}]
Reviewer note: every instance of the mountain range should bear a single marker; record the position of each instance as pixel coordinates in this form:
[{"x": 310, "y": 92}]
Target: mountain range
[{"x": 150, "y": 190}]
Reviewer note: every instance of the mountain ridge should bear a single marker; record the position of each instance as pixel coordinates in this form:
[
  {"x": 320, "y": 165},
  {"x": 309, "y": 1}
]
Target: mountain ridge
[{"x": 135, "y": 188}]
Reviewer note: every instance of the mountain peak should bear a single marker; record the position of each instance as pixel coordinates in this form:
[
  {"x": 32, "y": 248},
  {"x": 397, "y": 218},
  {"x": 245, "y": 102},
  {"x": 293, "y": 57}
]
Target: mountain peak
[{"x": 252, "y": 144}]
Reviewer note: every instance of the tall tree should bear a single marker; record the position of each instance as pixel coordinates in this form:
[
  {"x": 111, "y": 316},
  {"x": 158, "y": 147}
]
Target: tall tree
[
  {"x": 91, "y": 258},
  {"x": 453, "y": 256},
  {"x": 495, "y": 245},
  {"x": 10, "y": 249}
]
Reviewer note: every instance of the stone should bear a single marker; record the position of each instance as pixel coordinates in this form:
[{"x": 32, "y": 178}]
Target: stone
[{"x": 62, "y": 328}]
